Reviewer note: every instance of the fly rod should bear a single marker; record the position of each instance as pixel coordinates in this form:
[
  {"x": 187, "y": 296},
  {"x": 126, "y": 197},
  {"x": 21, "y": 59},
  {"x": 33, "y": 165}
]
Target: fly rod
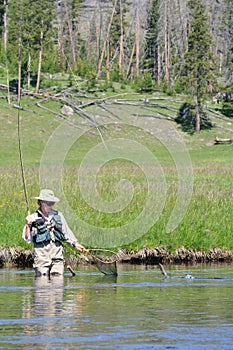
[{"x": 19, "y": 124}]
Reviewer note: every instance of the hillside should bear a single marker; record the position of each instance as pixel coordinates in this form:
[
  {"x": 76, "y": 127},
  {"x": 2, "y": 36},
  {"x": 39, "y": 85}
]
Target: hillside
[
  {"x": 172, "y": 20},
  {"x": 108, "y": 107}
]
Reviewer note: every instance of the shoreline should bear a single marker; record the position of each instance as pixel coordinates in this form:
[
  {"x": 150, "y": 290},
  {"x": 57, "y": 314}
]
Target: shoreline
[{"x": 21, "y": 258}]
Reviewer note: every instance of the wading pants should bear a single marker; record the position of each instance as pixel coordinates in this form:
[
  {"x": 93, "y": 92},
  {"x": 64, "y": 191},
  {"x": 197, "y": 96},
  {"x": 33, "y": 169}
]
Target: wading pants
[{"x": 48, "y": 258}]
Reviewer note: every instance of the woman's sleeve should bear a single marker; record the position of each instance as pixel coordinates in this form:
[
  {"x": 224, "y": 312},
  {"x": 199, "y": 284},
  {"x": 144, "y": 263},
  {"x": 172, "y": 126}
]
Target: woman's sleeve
[
  {"x": 29, "y": 240},
  {"x": 68, "y": 233}
]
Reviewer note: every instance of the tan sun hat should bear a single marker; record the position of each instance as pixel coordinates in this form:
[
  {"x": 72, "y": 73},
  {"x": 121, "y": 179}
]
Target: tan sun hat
[{"x": 48, "y": 196}]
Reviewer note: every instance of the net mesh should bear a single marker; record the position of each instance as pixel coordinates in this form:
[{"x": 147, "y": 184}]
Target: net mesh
[{"x": 104, "y": 260}]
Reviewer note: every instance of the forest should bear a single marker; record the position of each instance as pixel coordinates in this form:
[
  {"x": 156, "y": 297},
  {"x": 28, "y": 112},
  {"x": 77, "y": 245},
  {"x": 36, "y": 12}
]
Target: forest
[{"x": 178, "y": 46}]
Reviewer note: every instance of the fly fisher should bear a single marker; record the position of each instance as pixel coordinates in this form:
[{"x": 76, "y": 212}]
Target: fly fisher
[{"x": 47, "y": 228}]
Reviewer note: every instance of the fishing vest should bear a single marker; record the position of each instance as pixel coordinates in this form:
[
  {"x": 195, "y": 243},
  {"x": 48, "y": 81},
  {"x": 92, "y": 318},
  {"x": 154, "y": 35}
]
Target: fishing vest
[{"x": 48, "y": 230}]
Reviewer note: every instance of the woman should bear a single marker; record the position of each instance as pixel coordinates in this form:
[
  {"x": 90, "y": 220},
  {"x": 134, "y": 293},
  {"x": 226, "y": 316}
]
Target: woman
[{"x": 47, "y": 229}]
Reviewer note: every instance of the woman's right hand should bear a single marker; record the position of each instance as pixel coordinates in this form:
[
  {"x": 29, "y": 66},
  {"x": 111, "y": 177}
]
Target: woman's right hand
[
  {"x": 30, "y": 219},
  {"x": 80, "y": 247}
]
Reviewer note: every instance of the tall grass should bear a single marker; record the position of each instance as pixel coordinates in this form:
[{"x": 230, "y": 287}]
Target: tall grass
[
  {"x": 206, "y": 224},
  {"x": 13, "y": 205}
]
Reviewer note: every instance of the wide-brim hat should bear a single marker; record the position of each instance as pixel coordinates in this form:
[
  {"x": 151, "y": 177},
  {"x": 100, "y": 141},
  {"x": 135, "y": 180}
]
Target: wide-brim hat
[{"x": 48, "y": 196}]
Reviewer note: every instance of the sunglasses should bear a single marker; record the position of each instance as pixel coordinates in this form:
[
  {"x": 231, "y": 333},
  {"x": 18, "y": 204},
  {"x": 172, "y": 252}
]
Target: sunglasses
[{"x": 49, "y": 204}]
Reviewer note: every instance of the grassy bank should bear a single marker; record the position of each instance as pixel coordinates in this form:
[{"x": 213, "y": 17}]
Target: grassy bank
[
  {"x": 207, "y": 221},
  {"x": 206, "y": 224}
]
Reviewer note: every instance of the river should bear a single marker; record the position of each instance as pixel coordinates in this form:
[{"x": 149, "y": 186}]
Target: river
[{"x": 138, "y": 309}]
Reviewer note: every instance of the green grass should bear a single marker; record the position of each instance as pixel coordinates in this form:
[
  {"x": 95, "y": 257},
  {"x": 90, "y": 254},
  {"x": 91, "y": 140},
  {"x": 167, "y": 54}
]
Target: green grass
[{"x": 207, "y": 223}]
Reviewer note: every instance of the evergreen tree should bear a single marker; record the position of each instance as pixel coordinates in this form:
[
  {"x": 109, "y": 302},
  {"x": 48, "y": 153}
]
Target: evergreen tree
[
  {"x": 198, "y": 72},
  {"x": 151, "y": 37},
  {"x": 59, "y": 42},
  {"x": 15, "y": 20},
  {"x": 227, "y": 107},
  {"x": 2, "y": 12},
  {"x": 30, "y": 27},
  {"x": 42, "y": 24},
  {"x": 229, "y": 28}
]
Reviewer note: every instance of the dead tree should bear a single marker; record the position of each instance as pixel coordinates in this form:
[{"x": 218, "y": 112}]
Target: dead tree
[
  {"x": 5, "y": 49},
  {"x": 106, "y": 41},
  {"x": 72, "y": 43},
  {"x": 121, "y": 56},
  {"x": 137, "y": 43},
  {"x": 218, "y": 141}
]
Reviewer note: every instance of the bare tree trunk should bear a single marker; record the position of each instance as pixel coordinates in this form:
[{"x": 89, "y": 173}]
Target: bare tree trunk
[
  {"x": 183, "y": 25},
  {"x": 98, "y": 31},
  {"x": 39, "y": 61},
  {"x": 89, "y": 42},
  {"x": 106, "y": 41},
  {"x": 121, "y": 57},
  {"x": 198, "y": 114},
  {"x": 211, "y": 25},
  {"x": 167, "y": 46},
  {"x": 220, "y": 62},
  {"x": 29, "y": 70},
  {"x": 137, "y": 40},
  {"x": 220, "y": 141},
  {"x": 72, "y": 44},
  {"x": 107, "y": 63},
  {"x": 159, "y": 65},
  {"x": 5, "y": 51},
  {"x": 60, "y": 44},
  {"x": 60, "y": 52},
  {"x": 168, "y": 58},
  {"x": 131, "y": 60}
]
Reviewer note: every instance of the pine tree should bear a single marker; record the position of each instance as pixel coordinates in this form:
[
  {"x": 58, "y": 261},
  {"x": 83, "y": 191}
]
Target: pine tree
[
  {"x": 228, "y": 86},
  {"x": 2, "y": 12},
  {"x": 151, "y": 37},
  {"x": 228, "y": 21},
  {"x": 42, "y": 32},
  {"x": 30, "y": 27},
  {"x": 198, "y": 72}
]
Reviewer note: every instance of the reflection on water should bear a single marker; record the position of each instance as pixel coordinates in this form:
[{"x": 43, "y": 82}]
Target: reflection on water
[
  {"x": 139, "y": 309},
  {"x": 44, "y": 305}
]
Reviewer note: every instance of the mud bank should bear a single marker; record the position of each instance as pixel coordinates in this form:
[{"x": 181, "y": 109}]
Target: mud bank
[
  {"x": 18, "y": 257},
  {"x": 181, "y": 255}
]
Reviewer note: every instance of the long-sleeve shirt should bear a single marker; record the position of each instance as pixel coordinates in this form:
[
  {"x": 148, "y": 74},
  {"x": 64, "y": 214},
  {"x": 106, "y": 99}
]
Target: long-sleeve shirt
[{"x": 69, "y": 235}]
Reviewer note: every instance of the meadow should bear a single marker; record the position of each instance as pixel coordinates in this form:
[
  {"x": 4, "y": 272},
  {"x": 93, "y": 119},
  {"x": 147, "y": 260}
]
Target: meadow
[{"x": 119, "y": 200}]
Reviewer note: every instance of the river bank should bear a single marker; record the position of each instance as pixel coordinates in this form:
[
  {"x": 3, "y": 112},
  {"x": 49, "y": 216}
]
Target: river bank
[{"x": 21, "y": 258}]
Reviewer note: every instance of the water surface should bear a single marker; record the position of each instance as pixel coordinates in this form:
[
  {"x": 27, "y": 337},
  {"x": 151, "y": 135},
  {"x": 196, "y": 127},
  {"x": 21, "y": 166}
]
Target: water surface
[{"x": 139, "y": 309}]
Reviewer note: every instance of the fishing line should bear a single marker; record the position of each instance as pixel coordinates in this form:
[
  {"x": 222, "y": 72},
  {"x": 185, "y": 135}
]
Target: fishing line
[{"x": 21, "y": 162}]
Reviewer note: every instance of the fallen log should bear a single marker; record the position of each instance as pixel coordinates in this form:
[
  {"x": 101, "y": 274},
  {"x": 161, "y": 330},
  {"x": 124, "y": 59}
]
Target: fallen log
[{"x": 220, "y": 141}]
